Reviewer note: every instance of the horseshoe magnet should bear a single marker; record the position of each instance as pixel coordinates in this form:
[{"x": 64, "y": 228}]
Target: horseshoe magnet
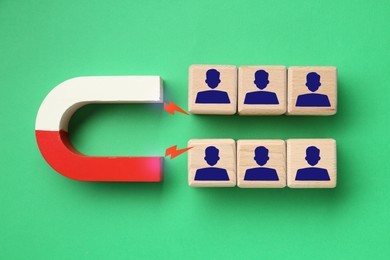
[{"x": 57, "y": 108}]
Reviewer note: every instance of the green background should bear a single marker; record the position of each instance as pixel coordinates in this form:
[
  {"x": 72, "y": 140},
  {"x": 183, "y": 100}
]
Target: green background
[{"x": 47, "y": 216}]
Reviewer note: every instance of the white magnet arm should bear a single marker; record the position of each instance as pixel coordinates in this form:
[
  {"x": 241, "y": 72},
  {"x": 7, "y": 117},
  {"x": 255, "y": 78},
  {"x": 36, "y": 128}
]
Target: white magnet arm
[{"x": 60, "y": 104}]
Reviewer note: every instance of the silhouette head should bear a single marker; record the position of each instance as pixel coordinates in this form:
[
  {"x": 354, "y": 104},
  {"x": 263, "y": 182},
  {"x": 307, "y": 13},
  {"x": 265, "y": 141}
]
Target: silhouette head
[
  {"x": 313, "y": 81},
  {"x": 212, "y": 78},
  {"x": 312, "y": 155},
  {"x": 261, "y": 79},
  {"x": 261, "y": 155},
  {"x": 211, "y": 155}
]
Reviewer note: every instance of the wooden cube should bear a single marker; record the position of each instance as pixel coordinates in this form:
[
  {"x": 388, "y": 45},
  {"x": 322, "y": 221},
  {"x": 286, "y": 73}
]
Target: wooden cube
[
  {"x": 261, "y": 163},
  {"x": 262, "y": 90},
  {"x": 311, "y": 163},
  {"x": 312, "y": 91},
  {"x": 212, "y": 163},
  {"x": 212, "y": 89}
]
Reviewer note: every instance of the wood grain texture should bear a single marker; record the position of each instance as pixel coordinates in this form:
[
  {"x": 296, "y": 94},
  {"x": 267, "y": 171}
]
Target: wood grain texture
[
  {"x": 196, "y": 84},
  {"x": 296, "y": 153},
  {"x": 245, "y": 161},
  {"x": 277, "y": 84},
  {"x": 297, "y": 86},
  {"x": 227, "y": 155}
]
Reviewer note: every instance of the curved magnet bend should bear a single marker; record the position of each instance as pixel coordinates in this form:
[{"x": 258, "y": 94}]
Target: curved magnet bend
[{"x": 51, "y": 128}]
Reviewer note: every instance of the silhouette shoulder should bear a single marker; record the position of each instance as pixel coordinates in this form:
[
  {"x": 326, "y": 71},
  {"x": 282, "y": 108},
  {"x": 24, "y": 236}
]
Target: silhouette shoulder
[
  {"x": 261, "y": 97},
  {"x": 261, "y": 174},
  {"x": 212, "y": 97},
  {"x": 313, "y": 100},
  {"x": 312, "y": 174},
  {"x": 211, "y": 174}
]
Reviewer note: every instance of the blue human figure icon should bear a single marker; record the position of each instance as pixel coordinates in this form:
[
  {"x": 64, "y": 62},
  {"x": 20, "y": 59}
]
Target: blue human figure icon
[
  {"x": 211, "y": 173},
  {"x": 313, "y": 83},
  {"x": 261, "y": 96},
  {"x": 261, "y": 173},
  {"x": 212, "y": 96},
  {"x": 312, "y": 173}
]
